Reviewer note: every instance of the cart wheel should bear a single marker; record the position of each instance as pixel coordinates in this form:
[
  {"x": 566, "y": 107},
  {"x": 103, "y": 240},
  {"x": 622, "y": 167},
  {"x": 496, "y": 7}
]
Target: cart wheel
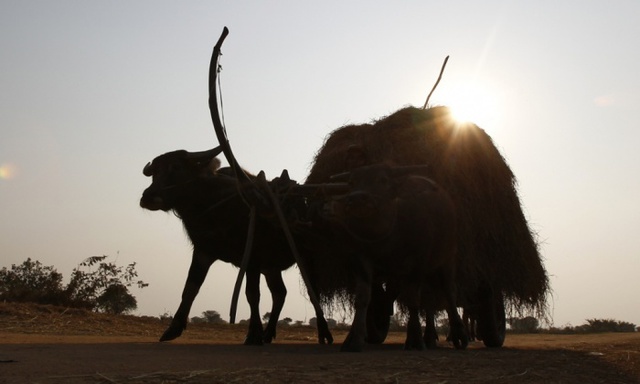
[
  {"x": 491, "y": 318},
  {"x": 378, "y": 316}
]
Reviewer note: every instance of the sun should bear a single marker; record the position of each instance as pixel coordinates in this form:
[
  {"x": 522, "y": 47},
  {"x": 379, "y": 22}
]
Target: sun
[
  {"x": 472, "y": 103},
  {"x": 7, "y": 171}
]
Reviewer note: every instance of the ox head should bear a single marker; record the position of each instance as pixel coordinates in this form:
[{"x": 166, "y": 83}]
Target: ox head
[
  {"x": 369, "y": 209},
  {"x": 174, "y": 171}
]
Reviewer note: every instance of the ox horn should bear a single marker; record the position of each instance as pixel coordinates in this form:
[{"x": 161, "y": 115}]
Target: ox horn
[
  {"x": 147, "y": 171},
  {"x": 211, "y": 153},
  {"x": 221, "y": 132}
]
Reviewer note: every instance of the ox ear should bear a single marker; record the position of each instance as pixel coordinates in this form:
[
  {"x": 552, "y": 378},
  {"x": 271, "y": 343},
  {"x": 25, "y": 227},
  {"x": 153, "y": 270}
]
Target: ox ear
[{"x": 214, "y": 165}]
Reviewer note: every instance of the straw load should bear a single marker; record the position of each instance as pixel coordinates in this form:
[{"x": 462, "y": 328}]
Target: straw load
[{"x": 495, "y": 243}]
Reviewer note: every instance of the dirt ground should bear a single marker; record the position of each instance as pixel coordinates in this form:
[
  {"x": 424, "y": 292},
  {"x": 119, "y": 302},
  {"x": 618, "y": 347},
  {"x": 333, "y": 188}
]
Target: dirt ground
[{"x": 44, "y": 344}]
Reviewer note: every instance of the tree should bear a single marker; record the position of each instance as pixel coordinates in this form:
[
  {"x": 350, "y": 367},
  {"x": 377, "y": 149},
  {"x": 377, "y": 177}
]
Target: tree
[
  {"x": 397, "y": 322},
  {"x": 331, "y": 323},
  {"x": 116, "y": 299},
  {"x": 608, "y": 325},
  {"x": 266, "y": 317},
  {"x": 286, "y": 321},
  {"x": 527, "y": 324},
  {"x": 31, "y": 282},
  {"x": 105, "y": 289},
  {"x": 212, "y": 317}
]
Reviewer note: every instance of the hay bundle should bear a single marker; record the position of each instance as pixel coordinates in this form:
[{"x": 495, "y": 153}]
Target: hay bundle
[{"x": 496, "y": 245}]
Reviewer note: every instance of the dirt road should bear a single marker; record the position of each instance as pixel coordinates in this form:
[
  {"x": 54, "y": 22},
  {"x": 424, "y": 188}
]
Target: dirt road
[{"x": 80, "y": 348}]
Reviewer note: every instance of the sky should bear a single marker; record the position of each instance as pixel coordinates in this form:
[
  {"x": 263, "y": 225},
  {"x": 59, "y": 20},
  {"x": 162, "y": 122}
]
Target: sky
[{"x": 91, "y": 91}]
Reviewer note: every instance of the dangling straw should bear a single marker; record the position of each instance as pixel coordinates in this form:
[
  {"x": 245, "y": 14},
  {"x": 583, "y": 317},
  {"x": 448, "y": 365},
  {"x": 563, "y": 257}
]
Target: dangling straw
[{"x": 437, "y": 82}]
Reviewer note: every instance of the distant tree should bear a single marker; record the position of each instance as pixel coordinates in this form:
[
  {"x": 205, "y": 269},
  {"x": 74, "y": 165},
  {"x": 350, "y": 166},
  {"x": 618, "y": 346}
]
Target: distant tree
[
  {"x": 212, "y": 317},
  {"x": 330, "y": 322},
  {"x": 527, "y": 324},
  {"x": 596, "y": 326},
  {"x": 298, "y": 323},
  {"x": 397, "y": 322},
  {"x": 286, "y": 321},
  {"x": 442, "y": 324},
  {"x": 266, "y": 317},
  {"x": 609, "y": 325}
]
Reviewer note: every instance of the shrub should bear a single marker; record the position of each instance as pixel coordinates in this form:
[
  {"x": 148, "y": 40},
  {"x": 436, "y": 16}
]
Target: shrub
[
  {"x": 527, "y": 324},
  {"x": 31, "y": 282},
  {"x": 609, "y": 325},
  {"x": 105, "y": 289}
]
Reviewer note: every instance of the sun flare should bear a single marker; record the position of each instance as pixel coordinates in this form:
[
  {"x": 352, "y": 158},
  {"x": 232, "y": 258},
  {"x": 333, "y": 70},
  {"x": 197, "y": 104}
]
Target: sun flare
[
  {"x": 7, "y": 171},
  {"x": 472, "y": 103}
]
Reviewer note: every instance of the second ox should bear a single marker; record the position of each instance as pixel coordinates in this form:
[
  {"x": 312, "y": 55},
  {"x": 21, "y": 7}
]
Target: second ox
[{"x": 400, "y": 229}]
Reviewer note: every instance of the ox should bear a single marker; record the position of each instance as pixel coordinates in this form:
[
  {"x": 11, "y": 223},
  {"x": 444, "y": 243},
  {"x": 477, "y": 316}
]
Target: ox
[
  {"x": 402, "y": 231},
  {"x": 207, "y": 200}
]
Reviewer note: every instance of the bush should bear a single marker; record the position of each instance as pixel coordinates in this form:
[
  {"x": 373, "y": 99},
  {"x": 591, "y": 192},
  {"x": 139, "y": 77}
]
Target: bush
[
  {"x": 31, "y": 282},
  {"x": 596, "y": 326},
  {"x": 527, "y": 324},
  {"x": 609, "y": 325},
  {"x": 105, "y": 289}
]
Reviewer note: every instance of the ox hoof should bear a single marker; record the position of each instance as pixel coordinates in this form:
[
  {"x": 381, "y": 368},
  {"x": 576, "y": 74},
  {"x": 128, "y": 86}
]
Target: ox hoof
[
  {"x": 253, "y": 339},
  {"x": 459, "y": 338},
  {"x": 171, "y": 333},
  {"x": 414, "y": 345},
  {"x": 461, "y": 343},
  {"x": 267, "y": 339},
  {"x": 351, "y": 348},
  {"x": 351, "y": 344},
  {"x": 325, "y": 339}
]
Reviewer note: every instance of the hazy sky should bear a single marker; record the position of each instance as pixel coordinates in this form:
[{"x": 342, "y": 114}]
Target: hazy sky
[{"x": 91, "y": 91}]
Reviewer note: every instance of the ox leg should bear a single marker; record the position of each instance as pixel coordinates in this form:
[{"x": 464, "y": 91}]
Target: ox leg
[
  {"x": 324, "y": 335},
  {"x": 469, "y": 322},
  {"x": 414, "y": 330},
  {"x": 278, "y": 294},
  {"x": 200, "y": 263},
  {"x": 457, "y": 333},
  {"x": 430, "y": 333},
  {"x": 356, "y": 338},
  {"x": 414, "y": 339},
  {"x": 252, "y": 291}
]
